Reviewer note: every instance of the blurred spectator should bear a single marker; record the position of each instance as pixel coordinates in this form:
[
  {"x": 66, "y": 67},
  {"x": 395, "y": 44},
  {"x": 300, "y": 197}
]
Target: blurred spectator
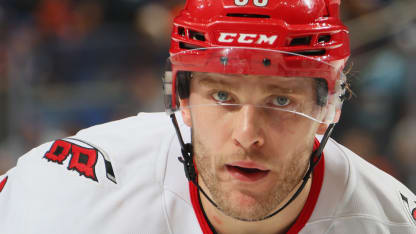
[
  {"x": 355, "y": 8},
  {"x": 54, "y": 17},
  {"x": 156, "y": 28}
]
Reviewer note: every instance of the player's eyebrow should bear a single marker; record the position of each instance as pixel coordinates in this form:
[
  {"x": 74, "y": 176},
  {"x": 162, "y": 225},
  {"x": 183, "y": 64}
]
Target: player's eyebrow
[
  {"x": 228, "y": 83},
  {"x": 286, "y": 85},
  {"x": 279, "y": 89},
  {"x": 212, "y": 82}
]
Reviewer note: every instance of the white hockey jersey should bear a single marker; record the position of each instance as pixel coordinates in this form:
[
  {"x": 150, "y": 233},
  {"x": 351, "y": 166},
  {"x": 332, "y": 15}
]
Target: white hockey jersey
[{"x": 124, "y": 177}]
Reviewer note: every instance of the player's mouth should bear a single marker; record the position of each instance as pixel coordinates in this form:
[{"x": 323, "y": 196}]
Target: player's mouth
[{"x": 247, "y": 172}]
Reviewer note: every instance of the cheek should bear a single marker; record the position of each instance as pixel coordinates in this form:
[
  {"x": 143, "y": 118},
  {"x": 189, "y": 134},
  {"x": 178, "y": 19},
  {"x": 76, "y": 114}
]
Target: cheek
[
  {"x": 298, "y": 127},
  {"x": 211, "y": 130},
  {"x": 292, "y": 139}
]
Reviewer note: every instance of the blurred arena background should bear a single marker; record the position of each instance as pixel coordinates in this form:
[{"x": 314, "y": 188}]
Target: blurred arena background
[{"x": 70, "y": 64}]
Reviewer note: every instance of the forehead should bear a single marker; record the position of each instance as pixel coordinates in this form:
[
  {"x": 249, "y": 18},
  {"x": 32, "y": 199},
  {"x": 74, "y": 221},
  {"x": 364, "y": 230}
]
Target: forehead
[{"x": 294, "y": 84}]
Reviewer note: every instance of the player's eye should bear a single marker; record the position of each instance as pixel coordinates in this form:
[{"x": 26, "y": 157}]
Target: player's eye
[
  {"x": 281, "y": 101},
  {"x": 221, "y": 96}
]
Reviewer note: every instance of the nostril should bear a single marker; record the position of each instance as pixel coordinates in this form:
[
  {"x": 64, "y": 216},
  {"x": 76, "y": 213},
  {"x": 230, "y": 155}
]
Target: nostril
[
  {"x": 237, "y": 143},
  {"x": 247, "y": 143}
]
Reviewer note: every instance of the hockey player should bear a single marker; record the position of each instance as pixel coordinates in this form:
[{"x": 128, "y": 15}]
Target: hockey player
[{"x": 253, "y": 89}]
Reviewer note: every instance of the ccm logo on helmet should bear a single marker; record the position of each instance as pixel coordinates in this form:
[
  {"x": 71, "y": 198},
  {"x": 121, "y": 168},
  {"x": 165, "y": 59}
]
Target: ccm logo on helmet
[{"x": 245, "y": 38}]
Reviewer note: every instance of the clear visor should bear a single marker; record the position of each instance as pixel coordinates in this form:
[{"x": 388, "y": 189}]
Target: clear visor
[{"x": 278, "y": 85}]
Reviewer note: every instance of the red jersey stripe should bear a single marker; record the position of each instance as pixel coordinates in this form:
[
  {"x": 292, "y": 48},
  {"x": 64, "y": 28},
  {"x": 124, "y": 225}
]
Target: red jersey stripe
[{"x": 3, "y": 183}]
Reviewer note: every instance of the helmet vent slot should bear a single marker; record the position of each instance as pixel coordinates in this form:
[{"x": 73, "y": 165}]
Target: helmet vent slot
[
  {"x": 298, "y": 41},
  {"x": 187, "y": 46},
  {"x": 248, "y": 15},
  {"x": 181, "y": 31},
  {"x": 318, "y": 52},
  {"x": 324, "y": 38},
  {"x": 194, "y": 35}
]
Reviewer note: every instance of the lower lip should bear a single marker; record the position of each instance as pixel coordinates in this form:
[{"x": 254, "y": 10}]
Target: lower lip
[{"x": 246, "y": 177}]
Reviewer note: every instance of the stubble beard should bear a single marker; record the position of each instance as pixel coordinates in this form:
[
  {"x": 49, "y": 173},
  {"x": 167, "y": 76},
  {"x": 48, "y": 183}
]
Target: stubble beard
[{"x": 264, "y": 204}]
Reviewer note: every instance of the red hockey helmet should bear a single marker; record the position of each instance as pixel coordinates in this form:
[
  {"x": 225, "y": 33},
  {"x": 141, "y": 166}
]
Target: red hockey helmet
[{"x": 288, "y": 38}]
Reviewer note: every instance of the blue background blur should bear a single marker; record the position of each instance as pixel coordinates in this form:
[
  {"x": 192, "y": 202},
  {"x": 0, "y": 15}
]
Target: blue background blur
[{"x": 70, "y": 64}]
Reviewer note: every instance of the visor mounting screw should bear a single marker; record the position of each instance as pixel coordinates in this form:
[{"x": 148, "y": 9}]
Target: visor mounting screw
[
  {"x": 267, "y": 62},
  {"x": 224, "y": 60}
]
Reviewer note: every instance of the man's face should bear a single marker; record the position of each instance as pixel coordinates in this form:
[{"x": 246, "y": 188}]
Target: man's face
[{"x": 250, "y": 157}]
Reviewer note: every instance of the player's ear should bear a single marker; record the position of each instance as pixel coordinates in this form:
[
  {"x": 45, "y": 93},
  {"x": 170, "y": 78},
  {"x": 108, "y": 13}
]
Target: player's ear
[
  {"x": 322, "y": 127},
  {"x": 186, "y": 112},
  {"x": 337, "y": 115}
]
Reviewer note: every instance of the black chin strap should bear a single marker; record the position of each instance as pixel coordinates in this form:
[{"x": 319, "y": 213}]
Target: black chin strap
[{"x": 188, "y": 164}]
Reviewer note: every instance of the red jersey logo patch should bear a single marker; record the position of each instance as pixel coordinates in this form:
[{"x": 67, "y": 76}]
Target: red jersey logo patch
[
  {"x": 59, "y": 151},
  {"x": 83, "y": 159}
]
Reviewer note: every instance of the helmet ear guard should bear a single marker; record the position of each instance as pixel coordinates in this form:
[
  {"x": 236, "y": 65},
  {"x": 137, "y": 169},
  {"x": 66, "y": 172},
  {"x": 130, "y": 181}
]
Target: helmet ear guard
[
  {"x": 336, "y": 100},
  {"x": 167, "y": 91},
  {"x": 180, "y": 89},
  {"x": 183, "y": 84},
  {"x": 176, "y": 85}
]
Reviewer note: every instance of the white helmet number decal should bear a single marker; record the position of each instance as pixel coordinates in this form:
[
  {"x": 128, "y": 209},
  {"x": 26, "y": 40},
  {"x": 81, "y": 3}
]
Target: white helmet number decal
[{"x": 259, "y": 3}]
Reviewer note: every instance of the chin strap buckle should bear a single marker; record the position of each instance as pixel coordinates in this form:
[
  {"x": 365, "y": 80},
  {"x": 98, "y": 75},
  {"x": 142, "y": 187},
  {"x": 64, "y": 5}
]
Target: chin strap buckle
[
  {"x": 187, "y": 153},
  {"x": 188, "y": 163}
]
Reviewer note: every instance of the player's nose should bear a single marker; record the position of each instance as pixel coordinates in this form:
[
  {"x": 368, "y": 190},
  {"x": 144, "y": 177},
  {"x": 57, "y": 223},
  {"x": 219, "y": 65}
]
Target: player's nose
[{"x": 247, "y": 132}]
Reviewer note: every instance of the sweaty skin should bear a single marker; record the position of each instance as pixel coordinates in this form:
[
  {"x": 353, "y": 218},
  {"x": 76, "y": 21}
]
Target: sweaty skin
[{"x": 276, "y": 146}]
